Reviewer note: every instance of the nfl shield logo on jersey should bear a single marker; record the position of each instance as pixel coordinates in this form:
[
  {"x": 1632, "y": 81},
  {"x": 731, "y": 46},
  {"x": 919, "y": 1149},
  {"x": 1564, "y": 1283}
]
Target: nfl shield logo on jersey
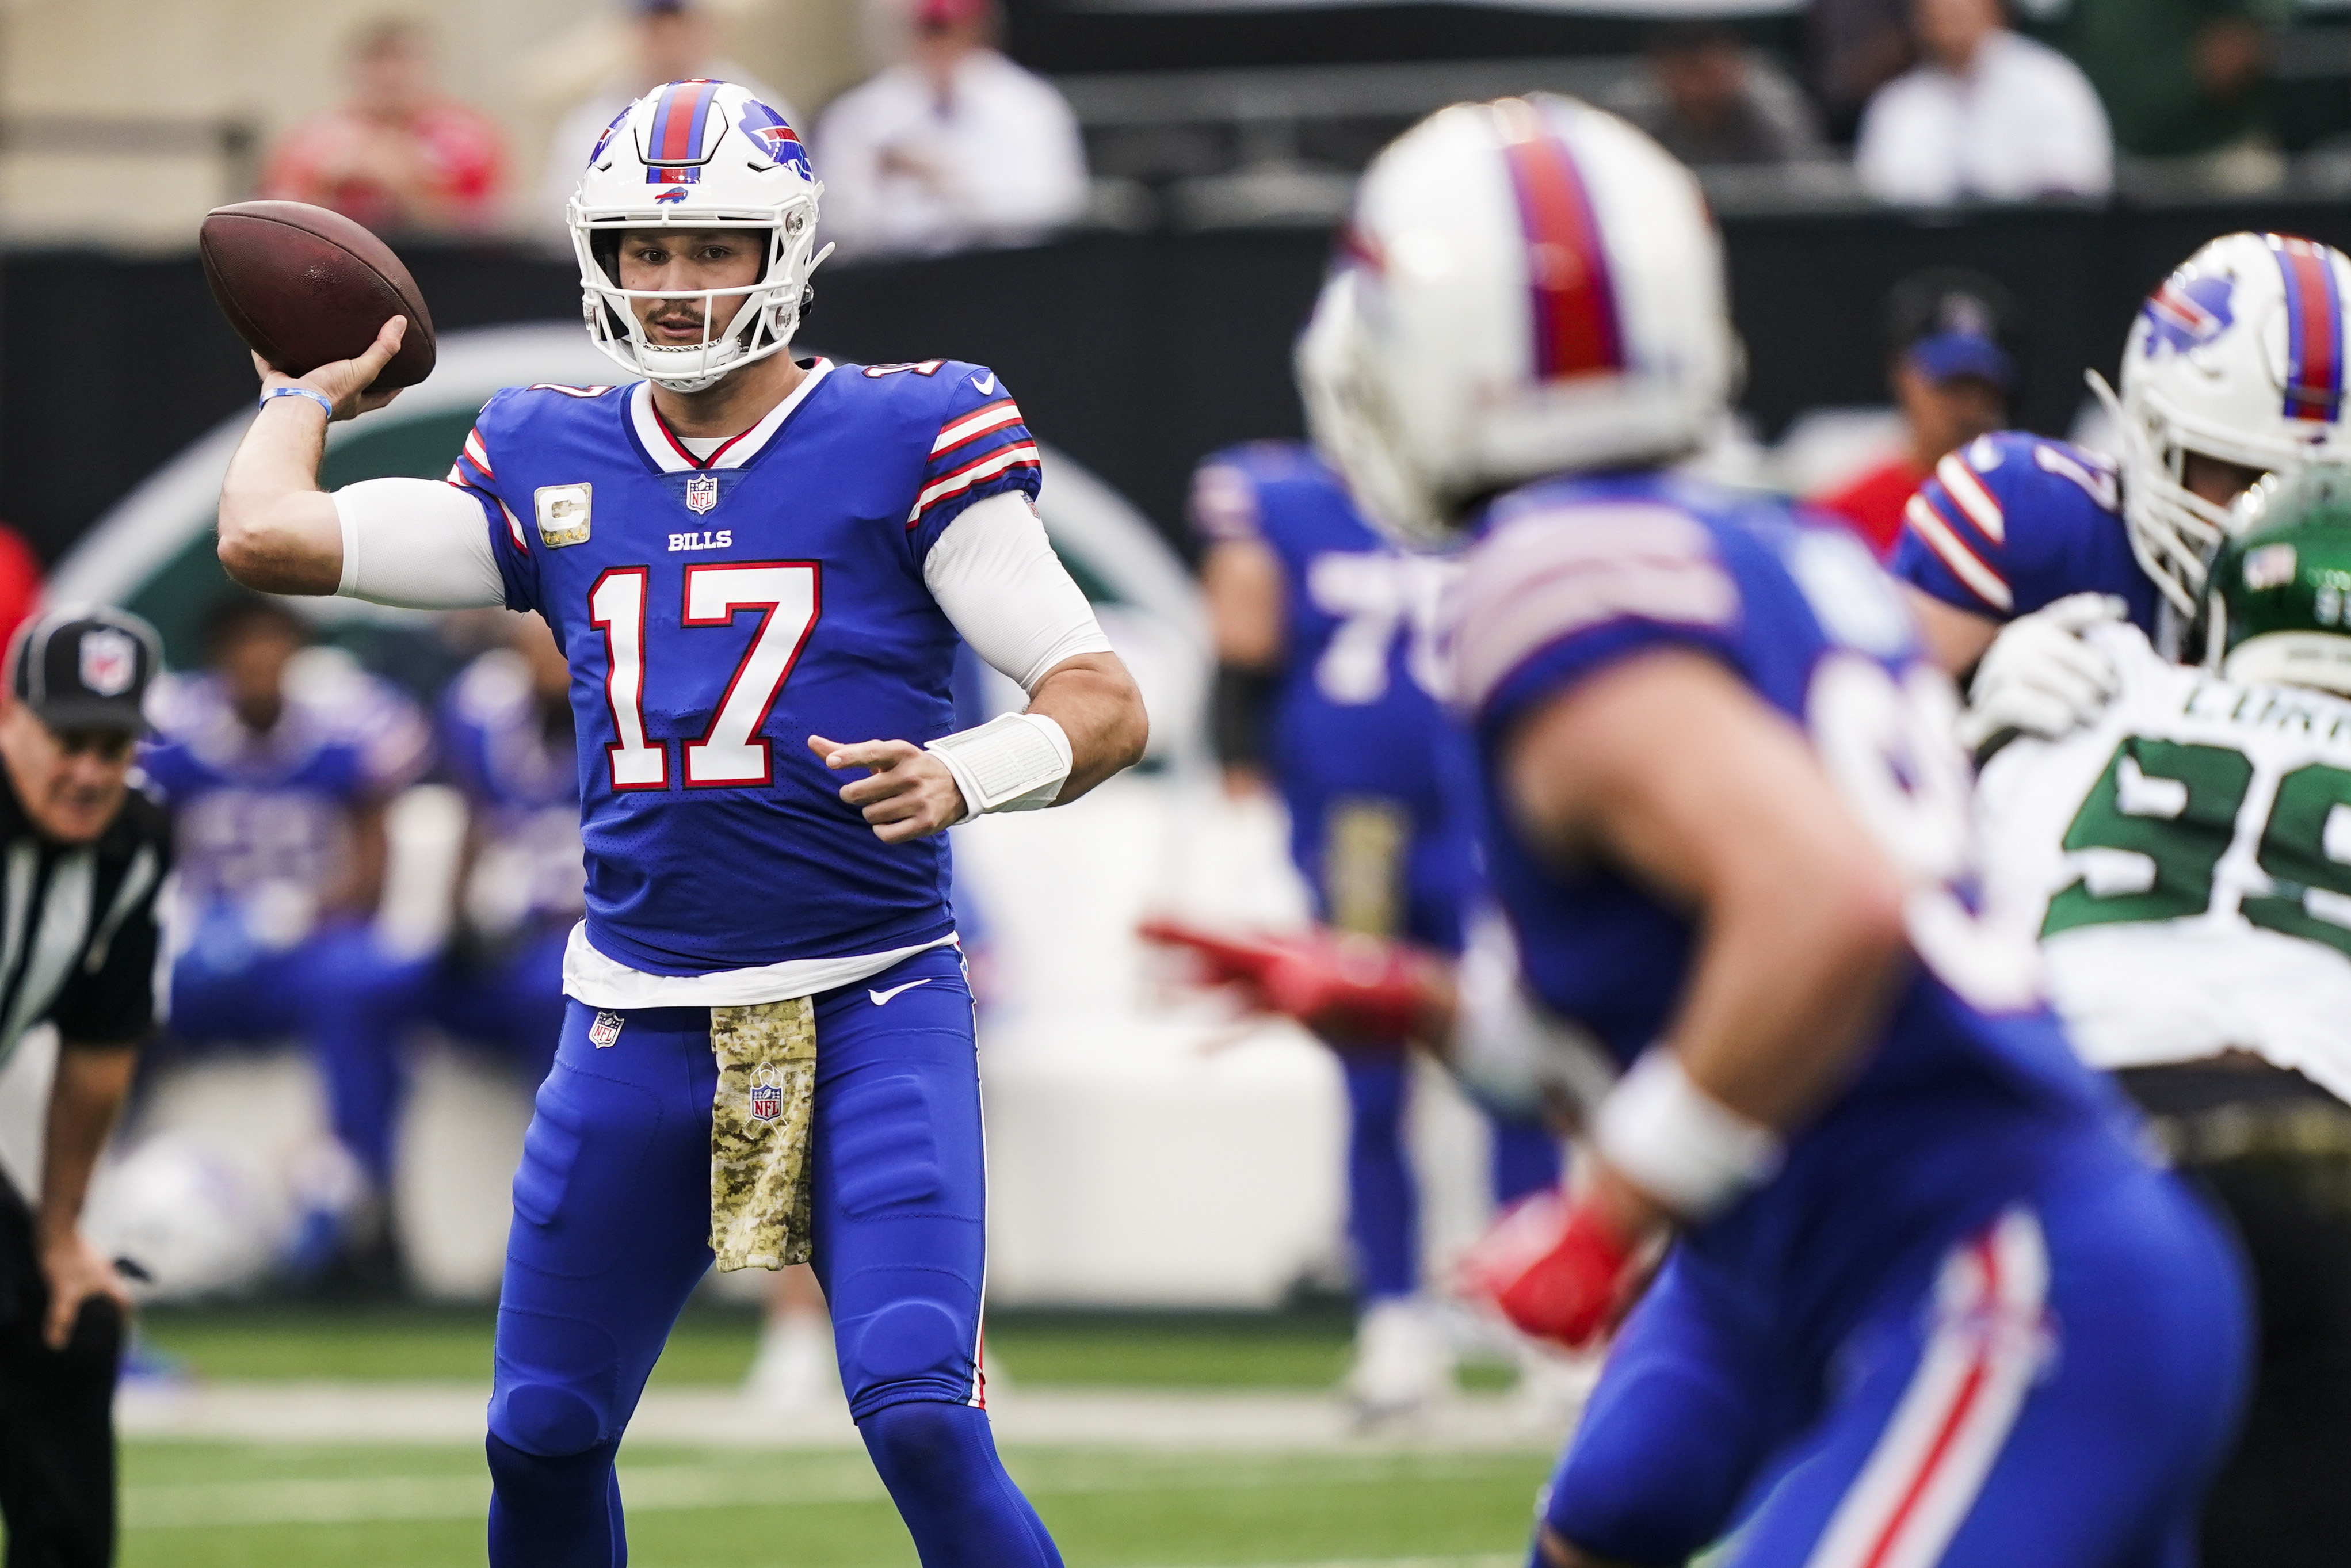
[
  {"x": 109, "y": 662},
  {"x": 701, "y": 492},
  {"x": 605, "y": 1030},
  {"x": 766, "y": 1099}
]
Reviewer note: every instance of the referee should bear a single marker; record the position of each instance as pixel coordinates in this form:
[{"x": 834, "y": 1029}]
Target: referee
[{"x": 81, "y": 855}]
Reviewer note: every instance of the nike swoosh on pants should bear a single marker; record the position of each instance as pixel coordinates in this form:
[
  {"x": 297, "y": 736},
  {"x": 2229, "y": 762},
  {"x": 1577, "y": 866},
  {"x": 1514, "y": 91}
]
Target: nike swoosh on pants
[{"x": 881, "y": 996}]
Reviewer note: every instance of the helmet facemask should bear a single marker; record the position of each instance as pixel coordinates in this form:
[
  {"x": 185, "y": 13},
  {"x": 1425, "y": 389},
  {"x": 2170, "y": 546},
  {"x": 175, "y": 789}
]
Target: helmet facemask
[
  {"x": 767, "y": 311},
  {"x": 2173, "y": 530}
]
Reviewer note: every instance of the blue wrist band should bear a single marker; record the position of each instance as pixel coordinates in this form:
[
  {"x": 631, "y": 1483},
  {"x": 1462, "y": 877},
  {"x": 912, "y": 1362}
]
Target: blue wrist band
[{"x": 311, "y": 392}]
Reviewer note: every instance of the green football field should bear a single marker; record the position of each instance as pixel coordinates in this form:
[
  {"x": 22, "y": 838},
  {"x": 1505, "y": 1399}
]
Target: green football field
[{"x": 194, "y": 1504}]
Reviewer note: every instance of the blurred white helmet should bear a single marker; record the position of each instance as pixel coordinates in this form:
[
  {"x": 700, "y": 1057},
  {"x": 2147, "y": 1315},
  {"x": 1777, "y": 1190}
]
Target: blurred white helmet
[
  {"x": 2238, "y": 356},
  {"x": 1527, "y": 287},
  {"x": 696, "y": 156},
  {"x": 197, "y": 1221}
]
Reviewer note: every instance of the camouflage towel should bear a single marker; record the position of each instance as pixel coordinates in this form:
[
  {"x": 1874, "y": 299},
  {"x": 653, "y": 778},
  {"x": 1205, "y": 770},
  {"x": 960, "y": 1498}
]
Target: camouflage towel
[{"x": 759, "y": 1120}]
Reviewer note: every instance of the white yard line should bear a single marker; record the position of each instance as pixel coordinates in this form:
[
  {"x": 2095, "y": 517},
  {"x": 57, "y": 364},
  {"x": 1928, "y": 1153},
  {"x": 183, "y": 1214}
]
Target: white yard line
[
  {"x": 725, "y": 1484},
  {"x": 1175, "y": 1421}
]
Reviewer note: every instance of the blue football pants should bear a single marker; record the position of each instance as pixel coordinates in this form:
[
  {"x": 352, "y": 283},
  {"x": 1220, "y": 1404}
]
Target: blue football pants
[
  {"x": 2056, "y": 1389},
  {"x": 611, "y": 1231},
  {"x": 1382, "y": 1200},
  {"x": 340, "y": 993}
]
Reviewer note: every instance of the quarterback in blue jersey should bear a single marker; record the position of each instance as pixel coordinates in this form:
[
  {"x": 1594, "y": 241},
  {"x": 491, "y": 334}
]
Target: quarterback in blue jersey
[
  {"x": 758, "y": 570},
  {"x": 1327, "y": 681},
  {"x": 277, "y": 787},
  {"x": 2233, "y": 369},
  {"x": 1921, "y": 1300}
]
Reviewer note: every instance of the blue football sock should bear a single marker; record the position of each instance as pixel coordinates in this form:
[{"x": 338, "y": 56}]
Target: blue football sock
[
  {"x": 1382, "y": 1206},
  {"x": 558, "y": 1511},
  {"x": 939, "y": 1462}
]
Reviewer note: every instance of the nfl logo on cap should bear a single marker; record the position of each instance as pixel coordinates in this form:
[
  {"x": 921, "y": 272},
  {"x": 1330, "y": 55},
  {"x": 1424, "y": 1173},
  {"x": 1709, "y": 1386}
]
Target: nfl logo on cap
[
  {"x": 702, "y": 493},
  {"x": 766, "y": 1100},
  {"x": 109, "y": 660},
  {"x": 605, "y": 1030}
]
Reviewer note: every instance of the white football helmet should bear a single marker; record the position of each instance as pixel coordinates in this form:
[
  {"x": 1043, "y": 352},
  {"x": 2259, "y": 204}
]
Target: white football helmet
[
  {"x": 2238, "y": 356},
  {"x": 696, "y": 156},
  {"x": 1527, "y": 287}
]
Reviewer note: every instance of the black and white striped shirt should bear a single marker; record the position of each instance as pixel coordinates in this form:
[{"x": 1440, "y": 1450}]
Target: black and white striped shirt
[{"x": 78, "y": 933}]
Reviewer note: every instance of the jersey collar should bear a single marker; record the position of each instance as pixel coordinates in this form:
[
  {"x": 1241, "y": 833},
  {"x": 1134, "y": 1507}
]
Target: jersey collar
[{"x": 671, "y": 456}]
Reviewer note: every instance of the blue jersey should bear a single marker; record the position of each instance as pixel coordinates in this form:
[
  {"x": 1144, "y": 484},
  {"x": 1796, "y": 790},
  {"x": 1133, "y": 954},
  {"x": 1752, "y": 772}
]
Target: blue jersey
[
  {"x": 1971, "y": 1090},
  {"x": 1357, "y": 724},
  {"x": 2012, "y": 521},
  {"x": 521, "y": 781},
  {"x": 716, "y": 612},
  {"x": 261, "y": 820}
]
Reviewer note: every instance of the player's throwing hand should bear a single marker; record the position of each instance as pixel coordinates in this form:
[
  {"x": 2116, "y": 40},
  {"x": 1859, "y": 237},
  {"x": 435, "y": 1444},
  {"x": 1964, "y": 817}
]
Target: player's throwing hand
[
  {"x": 348, "y": 385},
  {"x": 909, "y": 794}
]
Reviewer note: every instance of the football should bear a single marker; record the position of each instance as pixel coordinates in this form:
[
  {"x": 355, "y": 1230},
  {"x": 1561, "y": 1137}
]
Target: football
[{"x": 305, "y": 286}]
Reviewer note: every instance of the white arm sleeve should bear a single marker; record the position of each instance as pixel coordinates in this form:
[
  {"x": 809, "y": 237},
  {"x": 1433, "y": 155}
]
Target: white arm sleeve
[
  {"x": 422, "y": 544},
  {"x": 996, "y": 575}
]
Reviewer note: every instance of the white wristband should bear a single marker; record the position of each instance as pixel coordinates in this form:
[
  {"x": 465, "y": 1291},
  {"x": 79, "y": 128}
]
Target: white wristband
[
  {"x": 1014, "y": 762},
  {"x": 1679, "y": 1144}
]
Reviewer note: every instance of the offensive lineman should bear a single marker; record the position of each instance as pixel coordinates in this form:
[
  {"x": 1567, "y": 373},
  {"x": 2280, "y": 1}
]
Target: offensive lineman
[
  {"x": 768, "y": 1041},
  {"x": 1926, "y": 1303}
]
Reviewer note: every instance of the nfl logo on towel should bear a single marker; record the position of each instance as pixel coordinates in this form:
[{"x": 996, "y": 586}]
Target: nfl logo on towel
[
  {"x": 766, "y": 1100},
  {"x": 604, "y": 1030},
  {"x": 702, "y": 493}
]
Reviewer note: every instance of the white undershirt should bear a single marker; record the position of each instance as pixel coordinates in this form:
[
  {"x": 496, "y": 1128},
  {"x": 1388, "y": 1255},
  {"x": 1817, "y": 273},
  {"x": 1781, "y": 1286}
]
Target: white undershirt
[{"x": 422, "y": 544}]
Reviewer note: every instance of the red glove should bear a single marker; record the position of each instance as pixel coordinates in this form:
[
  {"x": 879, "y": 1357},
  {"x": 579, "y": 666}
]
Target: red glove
[
  {"x": 1341, "y": 986},
  {"x": 1556, "y": 1267}
]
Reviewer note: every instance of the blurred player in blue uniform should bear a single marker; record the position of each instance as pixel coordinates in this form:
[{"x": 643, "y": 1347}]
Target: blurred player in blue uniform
[
  {"x": 2234, "y": 369},
  {"x": 1921, "y": 1300},
  {"x": 507, "y": 741},
  {"x": 1327, "y": 681},
  {"x": 758, "y": 570},
  {"x": 278, "y": 788}
]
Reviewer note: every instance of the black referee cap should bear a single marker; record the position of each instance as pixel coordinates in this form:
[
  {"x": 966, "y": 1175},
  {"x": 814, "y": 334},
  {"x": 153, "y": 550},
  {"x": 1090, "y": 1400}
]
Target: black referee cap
[{"x": 85, "y": 667}]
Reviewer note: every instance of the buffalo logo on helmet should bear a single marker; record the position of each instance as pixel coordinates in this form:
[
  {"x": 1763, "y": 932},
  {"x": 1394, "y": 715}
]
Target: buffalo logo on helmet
[
  {"x": 605, "y": 1031},
  {"x": 675, "y": 193},
  {"x": 766, "y": 1099},
  {"x": 596, "y": 155},
  {"x": 2185, "y": 315},
  {"x": 109, "y": 661},
  {"x": 701, "y": 492},
  {"x": 768, "y": 132}
]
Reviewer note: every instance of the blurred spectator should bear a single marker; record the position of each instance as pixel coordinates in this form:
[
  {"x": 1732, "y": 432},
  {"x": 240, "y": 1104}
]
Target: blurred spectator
[
  {"x": 1986, "y": 115},
  {"x": 506, "y": 731},
  {"x": 277, "y": 777},
  {"x": 1708, "y": 101},
  {"x": 2178, "y": 77},
  {"x": 1853, "y": 48},
  {"x": 670, "y": 40},
  {"x": 396, "y": 155},
  {"x": 20, "y": 581},
  {"x": 1953, "y": 372},
  {"x": 953, "y": 147}
]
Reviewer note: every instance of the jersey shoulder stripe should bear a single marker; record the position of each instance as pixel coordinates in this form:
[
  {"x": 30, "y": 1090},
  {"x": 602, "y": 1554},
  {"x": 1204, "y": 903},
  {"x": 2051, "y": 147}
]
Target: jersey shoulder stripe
[
  {"x": 1550, "y": 573},
  {"x": 1927, "y": 525},
  {"x": 1223, "y": 502},
  {"x": 1017, "y": 459}
]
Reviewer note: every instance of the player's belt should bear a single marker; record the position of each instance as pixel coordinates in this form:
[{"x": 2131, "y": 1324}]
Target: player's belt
[{"x": 760, "y": 1204}]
